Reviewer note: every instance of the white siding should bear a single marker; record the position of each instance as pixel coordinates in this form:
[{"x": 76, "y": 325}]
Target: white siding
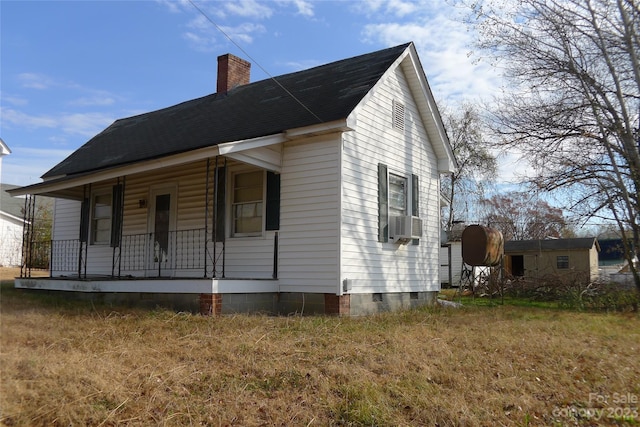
[
  {"x": 66, "y": 217},
  {"x": 309, "y": 216},
  {"x": 10, "y": 241},
  {"x": 371, "y": 266}
]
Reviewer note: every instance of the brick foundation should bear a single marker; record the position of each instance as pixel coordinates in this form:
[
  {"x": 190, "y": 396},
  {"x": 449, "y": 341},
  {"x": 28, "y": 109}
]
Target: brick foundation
[
  {"x": 337, "y": 304},
  {"x": 210, "y": 304}
]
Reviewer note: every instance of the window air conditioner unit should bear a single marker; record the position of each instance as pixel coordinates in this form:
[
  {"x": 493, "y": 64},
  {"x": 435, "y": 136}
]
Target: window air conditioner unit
[{"x": 405, "y": 228}]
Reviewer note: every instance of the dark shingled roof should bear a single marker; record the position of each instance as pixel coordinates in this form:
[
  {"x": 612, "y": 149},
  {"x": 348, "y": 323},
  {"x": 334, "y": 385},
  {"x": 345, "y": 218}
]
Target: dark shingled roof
[
  {"x": 550, "y": 245},
  {"x": 257, "y": 109},
  {"x": 15, "y": 205}
]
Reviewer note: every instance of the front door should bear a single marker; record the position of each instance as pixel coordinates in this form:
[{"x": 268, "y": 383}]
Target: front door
[{"x": 162, "y": 215}]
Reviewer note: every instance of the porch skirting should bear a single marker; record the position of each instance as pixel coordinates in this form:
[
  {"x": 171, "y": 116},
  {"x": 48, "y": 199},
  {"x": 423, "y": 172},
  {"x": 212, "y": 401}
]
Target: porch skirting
[{"x": 224, "y": 296}]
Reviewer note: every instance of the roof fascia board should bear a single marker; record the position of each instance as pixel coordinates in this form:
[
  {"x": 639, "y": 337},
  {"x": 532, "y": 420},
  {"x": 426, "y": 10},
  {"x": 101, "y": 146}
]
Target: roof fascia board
[
  {"x": 262, "y": 157},
  {"x": 249, "y": 144},
  {"x": 11, "y": 217},
  {"x": 4, "y": 148},
  {"x": 255, "y": 161},
  {"x": 446, "y": 164},
  {"x": 353, "y": 116},
  {"x": 342, "y": 125}
]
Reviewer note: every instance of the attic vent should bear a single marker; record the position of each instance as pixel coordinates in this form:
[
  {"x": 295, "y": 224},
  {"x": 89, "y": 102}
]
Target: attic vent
[{"x": 398, "y": 116}]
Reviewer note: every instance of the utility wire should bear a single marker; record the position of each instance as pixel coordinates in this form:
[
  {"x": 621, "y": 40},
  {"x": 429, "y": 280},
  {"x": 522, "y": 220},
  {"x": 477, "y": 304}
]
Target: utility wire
[{"x": 253, "y": 60}]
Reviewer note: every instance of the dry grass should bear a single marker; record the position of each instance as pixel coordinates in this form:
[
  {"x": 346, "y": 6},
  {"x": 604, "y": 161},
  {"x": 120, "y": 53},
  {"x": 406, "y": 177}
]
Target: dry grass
[{"x": 76, "y": 364}]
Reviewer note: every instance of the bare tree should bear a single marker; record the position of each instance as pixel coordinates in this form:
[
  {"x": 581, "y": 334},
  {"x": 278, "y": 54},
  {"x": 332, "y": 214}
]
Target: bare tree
[
  {"x": 520, "y": 216},
  {"x": 476, "y": 163},
  {"x": 574, "y": 102}
]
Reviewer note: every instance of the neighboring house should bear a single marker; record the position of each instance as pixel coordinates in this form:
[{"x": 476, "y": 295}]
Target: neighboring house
[
  {"x": 612, "y": 252},
  {"x": 316, "y": 191},
  {"x": 4, "y": 150},
  {"x": 567, "y": 258},
  {"x": 11, "y": 227},
  {"x": 11, "y": 220}
]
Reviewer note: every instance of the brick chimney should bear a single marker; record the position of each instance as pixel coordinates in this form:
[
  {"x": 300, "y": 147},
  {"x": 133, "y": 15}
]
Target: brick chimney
[{"x": 232, "y": 72}]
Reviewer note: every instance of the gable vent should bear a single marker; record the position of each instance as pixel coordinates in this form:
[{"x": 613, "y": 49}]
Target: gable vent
[{"x": 398, "y": 116}]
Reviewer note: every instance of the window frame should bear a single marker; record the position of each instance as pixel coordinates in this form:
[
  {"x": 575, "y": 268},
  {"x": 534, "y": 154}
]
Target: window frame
[
  {"x": 393, "y": 210},
  {"x": 562, "y": 262},
  {"x": 233, "y": 204},
  {"x": 412, "y": 199},
  {"x": 106, "y": 217}
]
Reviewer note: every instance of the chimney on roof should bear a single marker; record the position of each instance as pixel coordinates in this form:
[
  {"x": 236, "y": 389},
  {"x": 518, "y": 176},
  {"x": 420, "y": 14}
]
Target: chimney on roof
[{"x": 232, "y": 72}]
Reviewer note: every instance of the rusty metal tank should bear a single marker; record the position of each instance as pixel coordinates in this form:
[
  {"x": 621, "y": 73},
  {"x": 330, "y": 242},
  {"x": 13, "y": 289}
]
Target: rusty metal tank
[{"x": 482, "y": 246}]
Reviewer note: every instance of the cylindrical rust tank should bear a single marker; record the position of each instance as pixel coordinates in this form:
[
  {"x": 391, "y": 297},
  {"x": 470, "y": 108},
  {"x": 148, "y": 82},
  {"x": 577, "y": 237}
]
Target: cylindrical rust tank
[{"x": 482, "y": 246}]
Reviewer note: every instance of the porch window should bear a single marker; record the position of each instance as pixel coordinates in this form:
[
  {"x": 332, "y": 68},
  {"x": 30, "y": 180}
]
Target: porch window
[
  {"x": 247, "y": 204},
  {"x": 562, "y": 262},
  {"x": 101, "y": 219}
]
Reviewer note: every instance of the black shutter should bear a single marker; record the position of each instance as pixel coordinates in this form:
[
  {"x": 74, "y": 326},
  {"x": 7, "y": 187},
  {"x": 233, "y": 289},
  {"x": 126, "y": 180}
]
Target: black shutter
[
  {"x": 415, "y": 197},
  {"x": 219, "y": 188},
  {"x": 383, "y": 204},
  {"x": 117, "y": 207},
  {"x": 84, "y": 219},
  {"x": 273, "y": 202}
]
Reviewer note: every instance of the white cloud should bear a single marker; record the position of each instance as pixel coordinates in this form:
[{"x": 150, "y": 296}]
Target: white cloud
[
  {"x": 174, "y": 6},
  {"x": 84, "y": 124},
  {"x": 244, "y": 32},
  {"x": 248, "y": 9},
  {"x": 35, "y": 81},
  {"x": 18, "y": 101},
  {"x": 25, "y": 165},
  {"x": 20, "y": 119},
  {"x": 402, "y": 8},
  {"x": 444, "y": 45},
  {"x": 304, "y": 8}
]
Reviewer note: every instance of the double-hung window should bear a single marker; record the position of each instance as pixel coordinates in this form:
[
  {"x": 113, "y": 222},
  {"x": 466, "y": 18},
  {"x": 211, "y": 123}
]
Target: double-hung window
[
  {"x": 254, "y": 198},
  {"x": 398, "y": 195},
  {"x": 398, "y": 192},
  {"x": 101, "y": 219},
  {"x": 247, "y": 203}
]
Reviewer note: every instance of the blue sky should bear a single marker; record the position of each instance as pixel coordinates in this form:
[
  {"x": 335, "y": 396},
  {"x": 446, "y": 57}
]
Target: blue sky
[{"x": 70, "y": 68}]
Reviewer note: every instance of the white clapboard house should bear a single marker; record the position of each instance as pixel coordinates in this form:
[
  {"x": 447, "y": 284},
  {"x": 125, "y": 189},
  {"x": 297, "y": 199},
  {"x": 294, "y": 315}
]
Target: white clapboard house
[{"x": 315, "y": 191}]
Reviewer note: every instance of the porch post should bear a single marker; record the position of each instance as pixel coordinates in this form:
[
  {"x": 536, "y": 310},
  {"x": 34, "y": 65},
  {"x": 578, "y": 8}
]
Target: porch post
[
  {"x": 206, "y": 218},
  {"x": 117, "y": 216},
  {"x": 219, "y": 209},
  {"x": 85, "y": 207},
  {"x": 27, "y": 235},
  {"x": 215, "y": 217}
]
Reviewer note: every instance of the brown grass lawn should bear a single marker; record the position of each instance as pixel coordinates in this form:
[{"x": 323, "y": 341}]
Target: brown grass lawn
[{"x": 74, "y": 363}]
